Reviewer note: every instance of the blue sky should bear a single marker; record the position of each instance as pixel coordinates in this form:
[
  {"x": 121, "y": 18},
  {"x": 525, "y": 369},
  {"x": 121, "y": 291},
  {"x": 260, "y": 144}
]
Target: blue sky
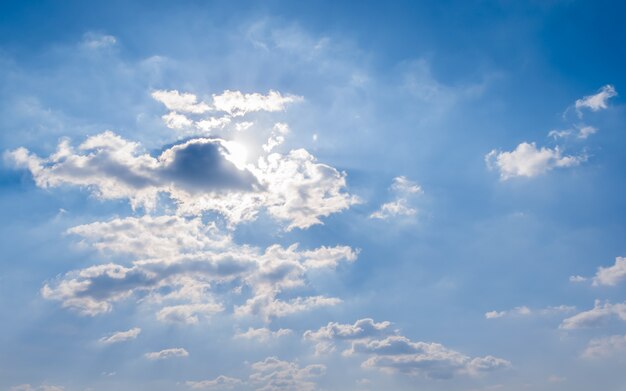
[{"x": 323, "y": 196}]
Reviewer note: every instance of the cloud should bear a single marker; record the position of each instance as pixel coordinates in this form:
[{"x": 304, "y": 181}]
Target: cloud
[
  {"x": 393, "y": 353},
  {"x": 199, "y": 175},
  {"x": 173, "y": 120},
  {"x": 237, "y": 103},
  {"x": 121, "y": 336},
  {"x": 528, "y": 161},
  {"x": 599, "y": 314},
  {"x": 605, "y": 347},
  {"x": 263, "y": 334},
  {"x": 273, "y": 374},
  {"x": 167, "y": 353},
  {"x": 43, "y": 387},
  {"x": 577, "y": 279},
  {"x": 96, "y": 41},
  {"x": 181, "y": 102},
  {"x": 187, "y": 268},
  {"x": 525, "y": 311},
  {"x": 598, "y": 101},
  {"x": 586, "y": 131},
  {"x": 403, "y": 189},
  {"x": 277, "y": 137},
  {"x": 326, "y": 336},
  {"x": 398, "y": 354},
  {"x": 611, "y": 275},
  {"x": 219, "y": 383}
]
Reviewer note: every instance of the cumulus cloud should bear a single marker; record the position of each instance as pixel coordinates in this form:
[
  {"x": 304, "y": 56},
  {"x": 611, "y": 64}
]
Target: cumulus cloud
[
  {"x": 525, "y": 311},
  {"x": 181, "y": 102},
  {"x": 404, "y": 190},
  {"x": 393, "y": 353},
  {"x": 173, "y": 120},
  {"x": 273, "y": 374},
  {"x": 167, "y": 353},
  {"x": 611, "y": 275},
  {"x": 277, "y": 136},
  {"x": 263, "y": 334},
  {"x": 199, "y": 175},
  {"x": 599, "y": 314},
  {"x": 605, "y": 346},
  {"x": 186, "y": 267},
  {"x": 598, "y": 101},
  {"x": 526, "y": 160},
  {"x": 219, "y": 383},
  {"x": 121, "y": 336}
]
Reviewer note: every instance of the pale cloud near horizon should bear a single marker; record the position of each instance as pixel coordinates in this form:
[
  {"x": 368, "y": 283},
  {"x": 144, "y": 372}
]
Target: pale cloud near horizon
[
  {"x": 167, "y": 353},
  {"x": 526, "y": 311},
  {"x": 121, "y": 336}
]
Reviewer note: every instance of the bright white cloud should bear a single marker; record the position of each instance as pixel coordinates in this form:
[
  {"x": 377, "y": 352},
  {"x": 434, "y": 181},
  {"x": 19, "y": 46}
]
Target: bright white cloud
[
  {"x": 605, "y": 347},
  {"x": 277, "y": 137},
  {"x": 121, "y": 336},
  {"x": 237, "y": 103},
  {"x": 188, "y": 313},
  {"x": 586, "y": 131},
  {"x": 273, "y": 374},
  {"x": 173, "y": 120},
  {"x": 219, "y": 383},
  {"x": 181, "y": 102},
  {"x": 404, "y": 190},
  {"x": 263, "y": 334},
  {"x": 527, "y": 160},
  {"x": 199, "y": 175},
  {"x": 598, "y": 101},
  {"x": 167, "y": 353},
  {"x": 611, "y": 275},
  {"x": 599, "y": 314}
]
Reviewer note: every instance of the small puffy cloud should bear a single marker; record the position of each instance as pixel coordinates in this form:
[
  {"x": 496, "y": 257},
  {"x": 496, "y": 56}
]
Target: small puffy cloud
[
  {"x": 121, "y": 336},
  {"x": 598, "y": 101},
  {"x": 326, "y": 337},
  {"x": 586, "y": 131},
  {"x": 273, "y": 374},
  {"x": 181, "y": 102},
  {"x": 173, "y": 120},
  {"x": 404, "y": 190},
  {"x": 611, "y": 275},
  {"x": 267, "y": 306},
  {"x": 526, "y": 160},
  {"x": 208, "y": 124},
  {"x": 556, "y": 134},
  {"x": 167, "y": 353},
  {"x": 96, "y": 41},
  {"x": 605, "y": 347},
  {"x": 599, "y": 314},
  {"x": 277, "y": 136},
  {"x": 263, "y": 334},
  {"x": 577, "y": 279},
  {"x": 237, "y": 103},
  {"x": 219, "y": 383}
]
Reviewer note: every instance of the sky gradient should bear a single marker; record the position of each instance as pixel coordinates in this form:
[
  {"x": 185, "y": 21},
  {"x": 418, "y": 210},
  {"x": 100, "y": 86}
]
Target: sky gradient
[{"x": 312, "y": 196}]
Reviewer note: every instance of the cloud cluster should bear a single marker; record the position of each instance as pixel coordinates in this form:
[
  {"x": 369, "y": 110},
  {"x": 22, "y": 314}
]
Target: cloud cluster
[
  {"x": 271, "y": 374},
  {"x": 611, "y": 275},
  {"x": 525, "y": 311},
  {"x": 605, "y": 346},
  {"x": 527, "y": 160},
  {"x": 199, "y": 175},
  {"x": 393, "y": 353},
  {"x": 196, "y": 266},
  {"x": 262, "y": 334},
  {"x": 404, "y": 190}
]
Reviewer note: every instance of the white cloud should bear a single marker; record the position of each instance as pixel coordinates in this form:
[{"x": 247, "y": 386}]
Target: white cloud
[
  {"x": 181, "y": 102},
  {"x": 43, "y": 387},
  {"x": 394, "y": 353},
  {"x": 173, "y": 120},
  {"x": 188, "y": 313},
  {"x": 167, "y": 353},
  {"x": 525, "y": 311},
  {"x": 273, "y": 374},
  {"x": 577, "y": 279},
  {"x": 263, "y": 334},
  {"x": 599, "y": 314},
  {"x": 598, "y": 101},
  {"x": 528, "y": 161},
  {"x": 182, "y": 265},
  {"x": 211, "y": 123},
  {"x": 277, "y": 137},
  {"x": 586, "y": 131},
  {"x": 121, "y": 336},
  {"x": 611, "y": 275},
  {"x": 556, "y": 134},
  {"x": 96, "y": 41},
  {"x": 219, "y": 383},
  {"x": 237, "y": 103},
  {"x": 605, "y": 347},
  {"x": 199, "y": 175},
  {"x": 403, "y": 189}
]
